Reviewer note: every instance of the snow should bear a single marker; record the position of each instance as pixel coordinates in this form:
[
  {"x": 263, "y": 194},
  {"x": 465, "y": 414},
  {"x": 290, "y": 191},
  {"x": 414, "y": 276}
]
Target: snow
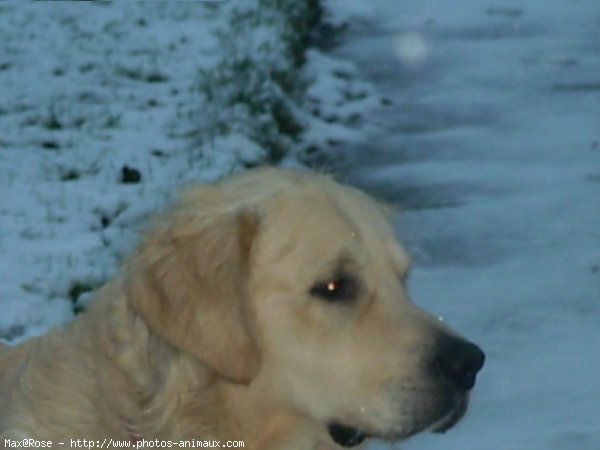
[
  {"x": 489, "y": 148},
  {"x": 488, "y": 142},
  {"x": 76, "y": 108}
]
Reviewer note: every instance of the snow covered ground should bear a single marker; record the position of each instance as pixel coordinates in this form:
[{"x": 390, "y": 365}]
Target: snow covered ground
[
  {"x": 490, "y": 146},
  {"x": 87, "y": 89},
  {"x": 108, "y": 108}
]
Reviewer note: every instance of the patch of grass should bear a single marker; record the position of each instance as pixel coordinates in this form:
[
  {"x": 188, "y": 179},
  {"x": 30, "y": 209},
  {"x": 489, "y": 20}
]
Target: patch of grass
[
  {"x": 27, "y": 287},
  {"x": 257, "y": 88},
  {"x": 50, "y": 145},
  {"x": 77, "y": 289},
  {"x": 52, "y": 122},
  {"x": 157, "y": 153},
  {"x": 250, "y": 102},
  {"x": 87, "y": 67},
  {"x": 71, "y": 175},
  {"x": 112, "y": 121},
  {"x": 130, "y": 175},
  {"x": 79, "y": 122},
  {"x": 106, "y": 217},
  {"x": 139, "y": 74},
  {"x": 12, "y": 332},
  {"x": 156, "y": 77}
]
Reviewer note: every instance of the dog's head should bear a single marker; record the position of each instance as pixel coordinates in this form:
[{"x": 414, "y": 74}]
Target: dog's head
[{"x": 295, "y": 284}]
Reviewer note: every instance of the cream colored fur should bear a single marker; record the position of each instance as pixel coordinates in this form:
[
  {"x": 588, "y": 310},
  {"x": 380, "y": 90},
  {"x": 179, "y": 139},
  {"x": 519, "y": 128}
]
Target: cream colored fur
[{"x": 209, "y": 330}]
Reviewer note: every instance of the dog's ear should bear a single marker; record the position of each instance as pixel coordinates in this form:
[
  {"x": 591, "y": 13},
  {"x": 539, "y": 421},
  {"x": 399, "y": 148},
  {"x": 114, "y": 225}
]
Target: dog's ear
[{"x": 188, "y": 283}]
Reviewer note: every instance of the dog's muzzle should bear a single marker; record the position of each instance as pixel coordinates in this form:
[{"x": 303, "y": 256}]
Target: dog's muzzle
[
  {"x": 453, "y": 417},
  {"x": 454, "y": 366}
]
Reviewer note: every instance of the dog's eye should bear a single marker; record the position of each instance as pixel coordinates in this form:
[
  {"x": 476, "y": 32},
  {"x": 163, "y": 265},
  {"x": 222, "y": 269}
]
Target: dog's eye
[{"x": 338, "y": 289}]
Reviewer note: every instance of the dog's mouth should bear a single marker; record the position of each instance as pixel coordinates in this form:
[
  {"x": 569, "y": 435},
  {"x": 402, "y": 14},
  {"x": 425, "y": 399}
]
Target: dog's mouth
[
  {"x": 349, "y": 436},
  {"x": 346, "y": 436},
  {"x": 453, "y": 417}
]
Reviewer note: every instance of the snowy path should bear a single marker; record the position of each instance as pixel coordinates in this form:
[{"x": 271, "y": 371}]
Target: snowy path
[{"x": 491, "y": 147}]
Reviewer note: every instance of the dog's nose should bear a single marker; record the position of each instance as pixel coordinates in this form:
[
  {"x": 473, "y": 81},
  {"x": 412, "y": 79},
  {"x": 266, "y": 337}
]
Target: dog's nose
[{"x": 458, "y": 361}]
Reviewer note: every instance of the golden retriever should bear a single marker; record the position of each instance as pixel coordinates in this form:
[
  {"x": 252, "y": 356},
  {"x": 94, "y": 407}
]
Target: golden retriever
[{"x": 269, "y": 308}]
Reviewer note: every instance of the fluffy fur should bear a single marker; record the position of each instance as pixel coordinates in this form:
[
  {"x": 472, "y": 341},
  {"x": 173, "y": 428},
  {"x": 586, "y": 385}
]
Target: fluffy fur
[{"x": 210, "y": 330}]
